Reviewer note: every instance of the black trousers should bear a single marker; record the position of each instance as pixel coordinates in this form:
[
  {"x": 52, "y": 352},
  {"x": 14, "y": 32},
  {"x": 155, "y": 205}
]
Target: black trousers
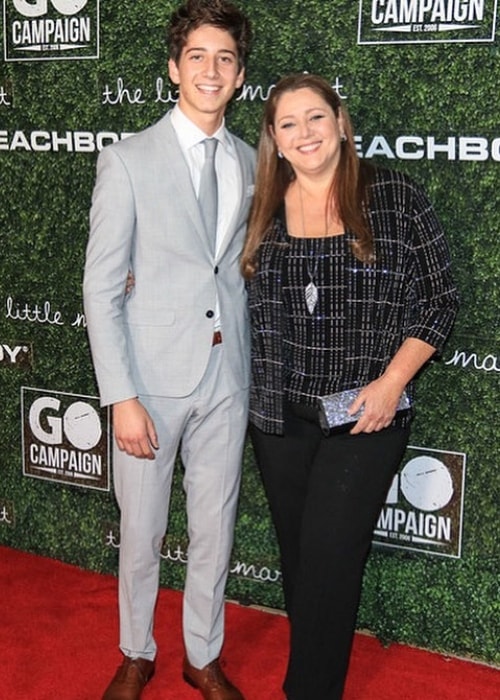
[{"x": 325, "y": 495}]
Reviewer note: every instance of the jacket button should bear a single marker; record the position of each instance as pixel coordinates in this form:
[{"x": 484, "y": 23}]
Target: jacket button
[
  {"x": 216, "y": 270},
  {"x": 209, "y": 314}
]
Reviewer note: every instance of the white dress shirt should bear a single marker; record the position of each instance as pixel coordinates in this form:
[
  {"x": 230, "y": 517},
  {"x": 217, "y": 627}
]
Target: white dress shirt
[
  {"x": 229, "y": 194},
  {"x": 191, "y": 140}
]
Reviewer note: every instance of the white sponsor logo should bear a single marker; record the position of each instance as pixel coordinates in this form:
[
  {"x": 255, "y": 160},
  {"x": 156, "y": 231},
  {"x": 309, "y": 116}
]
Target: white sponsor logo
[
  {"x": 64, "y": 439},
  {"x": 120, "y": 93},
  {"x": 424, "y": 507},
  {"x": 488, "y": 363},
  {"x": 40, "y": 313},
  {"x": 7, "y": 514},
  {"x": 35, "y": 8},
  {"x": 173, "y": 551},
  {"x": 426, "y": 21},
  {"x": 5, "y": 99},
  {"x": 51, "y": 29},
  {"x": 16, "y": 356},
  {"x": 414, "y": 147},
  {"x": 53, "y": 141},
  {"x": 405, "y": 147}
]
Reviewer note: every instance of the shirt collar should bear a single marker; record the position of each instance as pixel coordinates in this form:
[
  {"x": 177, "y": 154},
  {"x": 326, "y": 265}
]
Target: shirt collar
[{"x": 190, "y": 135}]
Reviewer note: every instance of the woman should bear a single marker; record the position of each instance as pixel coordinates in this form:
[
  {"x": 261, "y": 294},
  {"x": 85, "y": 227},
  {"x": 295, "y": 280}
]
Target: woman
[{"x": 349, "y": 288}]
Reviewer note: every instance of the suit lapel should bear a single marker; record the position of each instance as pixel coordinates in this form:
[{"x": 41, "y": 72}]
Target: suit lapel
[
  {"x": 180, "y": 177},
  {"x": 182, "y": 186}
]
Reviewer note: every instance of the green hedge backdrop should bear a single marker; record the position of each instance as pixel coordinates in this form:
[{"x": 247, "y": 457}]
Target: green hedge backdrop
[{"x": 435, "y": 90}]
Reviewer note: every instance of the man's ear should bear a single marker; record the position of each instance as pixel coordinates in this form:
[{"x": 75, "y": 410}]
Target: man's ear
[
  {"x": 173, "y": 71},
  {"x": 240, "y": 78}
]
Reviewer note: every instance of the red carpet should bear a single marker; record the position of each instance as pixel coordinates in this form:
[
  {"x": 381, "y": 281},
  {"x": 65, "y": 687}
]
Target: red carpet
[{"x": 58, "y": 635}]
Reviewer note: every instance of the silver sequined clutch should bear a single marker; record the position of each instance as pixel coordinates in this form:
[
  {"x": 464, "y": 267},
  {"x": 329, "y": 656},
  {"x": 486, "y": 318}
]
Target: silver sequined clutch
[{"x": 332, "y": 409}]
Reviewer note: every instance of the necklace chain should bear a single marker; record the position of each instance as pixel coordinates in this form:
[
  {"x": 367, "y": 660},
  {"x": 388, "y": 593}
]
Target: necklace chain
[
  {"x": 311, "y": 292},
  {"x": 302, "y": 216}
]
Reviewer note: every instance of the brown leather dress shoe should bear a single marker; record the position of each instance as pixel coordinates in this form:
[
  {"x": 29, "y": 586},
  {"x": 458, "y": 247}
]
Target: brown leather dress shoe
[
  {"x": 130, "y": 679},
  {"x": 210, "y": 681}
]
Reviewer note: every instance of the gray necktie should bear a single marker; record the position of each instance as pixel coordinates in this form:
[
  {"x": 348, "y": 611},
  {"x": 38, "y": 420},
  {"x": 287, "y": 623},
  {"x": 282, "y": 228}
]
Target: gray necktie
[{"x": 207, "y": 196}]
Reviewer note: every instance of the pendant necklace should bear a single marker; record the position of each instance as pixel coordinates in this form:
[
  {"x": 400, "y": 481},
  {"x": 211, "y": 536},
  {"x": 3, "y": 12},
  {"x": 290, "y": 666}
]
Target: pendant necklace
[{"x": 311, "y": 290}]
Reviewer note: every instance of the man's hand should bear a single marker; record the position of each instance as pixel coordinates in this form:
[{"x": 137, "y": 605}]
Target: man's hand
[
  {"x": 134, "y": 429},
  {"x": 130, "y": 282}
]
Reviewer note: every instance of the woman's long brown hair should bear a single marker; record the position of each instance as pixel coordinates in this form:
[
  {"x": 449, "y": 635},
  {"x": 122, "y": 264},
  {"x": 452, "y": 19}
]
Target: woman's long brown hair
[{"x": 274, "y": 175}]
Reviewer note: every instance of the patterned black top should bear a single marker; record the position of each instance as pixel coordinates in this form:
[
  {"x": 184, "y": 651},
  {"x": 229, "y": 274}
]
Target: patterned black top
[
  {"x": 363, "y": 313},
  {"x": 313, "y": 339}
]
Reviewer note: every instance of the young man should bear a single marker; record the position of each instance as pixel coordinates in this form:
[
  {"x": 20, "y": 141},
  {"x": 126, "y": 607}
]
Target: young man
[{"x": 171, "y": 356}]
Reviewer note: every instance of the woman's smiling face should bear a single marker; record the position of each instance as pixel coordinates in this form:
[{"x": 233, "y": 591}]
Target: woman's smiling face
[{"x": 307, "y": 132}]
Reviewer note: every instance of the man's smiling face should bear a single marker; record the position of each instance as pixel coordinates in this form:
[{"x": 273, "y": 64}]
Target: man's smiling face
[{"x": 207, "y": 74}]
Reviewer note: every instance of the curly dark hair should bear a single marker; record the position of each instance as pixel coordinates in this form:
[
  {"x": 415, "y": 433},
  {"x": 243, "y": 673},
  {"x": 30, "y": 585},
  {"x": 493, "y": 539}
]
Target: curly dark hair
[{"x": 216, "y": 13}]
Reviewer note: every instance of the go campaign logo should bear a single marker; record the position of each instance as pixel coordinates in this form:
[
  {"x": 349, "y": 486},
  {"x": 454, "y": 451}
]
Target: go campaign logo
[
  {"x": 426, "y": 21},
  {"x": 44, "y": 30},
  {"x": 424, "y": 507},
  {"x": 65, "y": 438}
]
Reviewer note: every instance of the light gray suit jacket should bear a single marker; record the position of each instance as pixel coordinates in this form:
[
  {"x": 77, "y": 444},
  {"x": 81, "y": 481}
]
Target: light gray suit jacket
[{"x": 145, "y": 217}]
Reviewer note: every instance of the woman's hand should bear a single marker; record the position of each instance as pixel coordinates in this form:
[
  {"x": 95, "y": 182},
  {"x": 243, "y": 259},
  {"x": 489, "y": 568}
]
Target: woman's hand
[
  {"x": 379, "y": 401},
  {"x": 380, "y": 398}
]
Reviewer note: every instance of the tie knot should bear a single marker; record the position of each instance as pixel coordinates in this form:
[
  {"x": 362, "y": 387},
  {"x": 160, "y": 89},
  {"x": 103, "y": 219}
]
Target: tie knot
[{"x": 210, "y": 148}]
